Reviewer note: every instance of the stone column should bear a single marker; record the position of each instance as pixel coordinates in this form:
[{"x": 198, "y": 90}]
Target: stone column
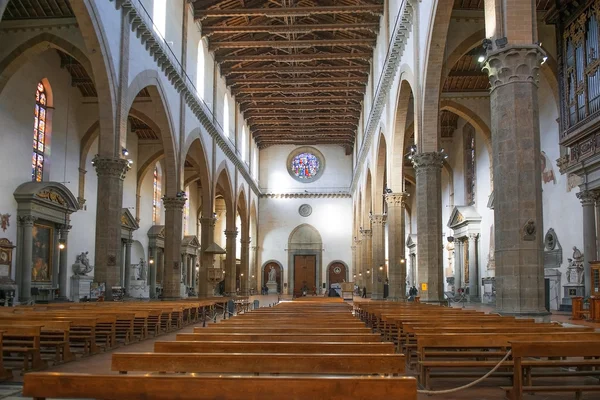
[
  {"x": 474, "y": 284},
  {"x": 152, "y": 270},
  {"x": 458, "y": 265},
  {"x": 358, "y": 263},
  {"x": 111, "y": 173},
  {"x": 378, "y": 255},
  {"x": 173, "y": 235},
  {"x": 230, "y": 278},
  {"x": 513, "y": 73},
  {"x": 428, "y": 167},
  {"x": 127, "y": 281},
  {"x": 353, "y": 249},
  {"x": 366, "y": 251},
  {"x": 160, "y": 267},
  {"x": 396, "y": 203},
  {"x": 27, "y": 257},
  {"x": 206, "y": 260},
  {"x": 244, "y": 259},
  {"x": 63, "y": 269},
  {"x": 590, "y": 252}
]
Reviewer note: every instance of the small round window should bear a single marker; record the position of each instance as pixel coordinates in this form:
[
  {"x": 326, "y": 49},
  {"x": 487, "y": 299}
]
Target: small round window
[{"x": 306, "y": 164}]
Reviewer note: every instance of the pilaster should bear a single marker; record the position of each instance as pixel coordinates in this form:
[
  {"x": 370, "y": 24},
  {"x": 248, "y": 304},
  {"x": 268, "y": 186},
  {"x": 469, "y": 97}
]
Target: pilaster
[
  {"x": 428, "y": 167},
  {"x": 26, "y": 250},
  {"x": 366, "y": 250},
  {"x": 173, "y": 234},
  {"x": 588, "y": 200},
  {"x": 207, "y": 231},
  {"x": 63, "y": 267},
  {"x": 111, "y": 173},
  {"x": 396, "y": 206},
  {"x": 244, "y": 267},
  {"x": 513, "y": 73},
  {"x": 230, "y": 270},
  {"x": 378, "y": 255}
]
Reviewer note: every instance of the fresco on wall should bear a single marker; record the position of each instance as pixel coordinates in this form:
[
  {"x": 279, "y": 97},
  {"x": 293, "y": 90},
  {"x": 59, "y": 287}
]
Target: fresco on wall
[
  {"x": 547, "y": 170},
  {"x": 305, "y": 165},
  {"x": 41, "y": 253}
]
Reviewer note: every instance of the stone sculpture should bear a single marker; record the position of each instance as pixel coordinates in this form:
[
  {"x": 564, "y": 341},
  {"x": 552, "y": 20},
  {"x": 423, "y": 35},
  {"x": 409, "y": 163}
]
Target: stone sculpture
[
  {"x": 82, "y": 265},
  {"x": 575, "y": 268},
  {"x": 143, "y": 271},
  {"x": 272, "y": 274}
]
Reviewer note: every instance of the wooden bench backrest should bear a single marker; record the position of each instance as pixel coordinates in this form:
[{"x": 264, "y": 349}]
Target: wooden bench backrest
[
  {"x": 566, "y": 348},
  {"x": 465, "y": 340},
  {"x": 273, "y": 347},
  {"x": 279, "y": 337}
]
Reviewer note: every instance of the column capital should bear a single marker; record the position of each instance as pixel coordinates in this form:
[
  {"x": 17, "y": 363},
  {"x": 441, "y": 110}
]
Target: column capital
[
  {"x": 231, "y": 234},
  {"x": 396, "y": 199},
  {"x": 378, "y": 219},
  {"x": 473, "y": 236},
  {"x": 428, "y": 161},
  {"x": 211, "y": 221},
  {"x": 128, "y": 242},
  {"x": 366, "y": 233},
  {"x": 588, "y": 197},
  {"x": 245, "y": 242},
  {"x": 174, "y": 203},
  {"x": 64, "y": 229},
  {"x": 514, "y": 64},
  {"x": 114, "y": 167},
  {"x": 27, "y": 220}
]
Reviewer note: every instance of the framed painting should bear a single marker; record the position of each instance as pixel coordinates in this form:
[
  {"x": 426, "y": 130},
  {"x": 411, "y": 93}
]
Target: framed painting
[{"x": 43, "y": 238}]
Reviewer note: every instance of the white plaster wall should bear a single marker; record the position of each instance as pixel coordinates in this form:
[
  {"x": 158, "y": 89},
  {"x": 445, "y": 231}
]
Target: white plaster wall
[
  {"x": 274, "y": 176},
  {"x": 332, "y": 218}
]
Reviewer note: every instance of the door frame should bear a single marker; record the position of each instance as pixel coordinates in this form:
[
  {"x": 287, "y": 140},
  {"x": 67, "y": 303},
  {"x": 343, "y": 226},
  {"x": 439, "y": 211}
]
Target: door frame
[
  {"x": 291, "y": 269},
  {"x": 329, "y": 266}
]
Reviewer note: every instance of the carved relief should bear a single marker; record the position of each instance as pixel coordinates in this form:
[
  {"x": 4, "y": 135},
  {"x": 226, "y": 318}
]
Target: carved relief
[
  {"x": 529, "y": 230},
  {"x": 4, "y": 221},
  {"x": 397, "y": 199},
  {"x": 514, "y": 64},
  {"x": 52, "y": 196},
  {"x": 112, "y": 167},
  {"x": 424, "y": 161}
]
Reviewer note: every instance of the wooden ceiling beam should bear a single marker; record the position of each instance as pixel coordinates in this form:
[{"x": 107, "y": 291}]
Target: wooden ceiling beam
[
  {"x": 254, "y": 114},
  {"x": 244, "y": 108},
  {"x": 277, "y": 29},
  {"x": 299, "y": 99},
  {"x": 299, "y": 130},
  {"x": 326, "y": 89},
  {"x": 302, "y": 122},
  {"x": 215, "y": 45},
  {"x": 279, "y": 12},
  {"x": 467, "y": 74},
  {"x": 293, "y": 81},
  {"x": 295, "y": 70},
  {"x": 277, "y": 58}
]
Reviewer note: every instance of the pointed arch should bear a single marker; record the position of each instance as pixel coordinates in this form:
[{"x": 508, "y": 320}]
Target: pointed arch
[
  {"x": 403, "y": 103},
  {"x": 380, "y": 175},
  {"x": 368, "y": 203},
  {"x": 224, "y": 188}
]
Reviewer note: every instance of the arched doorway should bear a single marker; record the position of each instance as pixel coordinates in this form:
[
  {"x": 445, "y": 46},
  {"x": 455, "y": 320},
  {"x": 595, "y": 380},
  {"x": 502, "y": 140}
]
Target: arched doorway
[
  {"x": 278, "y": 274},
  {"x": 337, "y": 272},
  {"x": 305, "y": 249}
]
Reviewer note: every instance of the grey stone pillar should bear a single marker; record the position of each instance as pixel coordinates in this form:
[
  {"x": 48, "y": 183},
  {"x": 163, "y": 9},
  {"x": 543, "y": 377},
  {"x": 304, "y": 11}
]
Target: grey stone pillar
[
  {"x": 590, "y": 252},
  {"x": 378, "y": 255},
  {"x": 366, "y": 250},
  {"x": 458, "y": 264},
  {"x": 111, "y": 173},
  {"x": 474, "y": 284},
  {"x": 513, "y": 73},
  {"x": 160, "y": 267},
  {"x": 358, "y": 270},
  {"x": 354, "y": 272},
  {"x": 428, "y": 167},
  {"x": 173, "y": 235},
  {"x": 188, "y": 275},
  {"x": 152, "y": 266},
  {"x": 127, "y": 281},
  {"x": 206, "y": 260},
  {"x": 230, "y": 278},
  {"x": 27, "y": 257},
  {"x": 63, "y": 268},
  {"x": 396, "y": 203},
  {"x": 244, "y": 260}
]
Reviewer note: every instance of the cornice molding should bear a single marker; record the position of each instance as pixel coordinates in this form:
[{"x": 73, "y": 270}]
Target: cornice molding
[
  {"x": 344, "y": 195},
  {"x": 165, "y": 60},
  {"x": 390, "y": 68},
  {"x": 34, "y": 25}
]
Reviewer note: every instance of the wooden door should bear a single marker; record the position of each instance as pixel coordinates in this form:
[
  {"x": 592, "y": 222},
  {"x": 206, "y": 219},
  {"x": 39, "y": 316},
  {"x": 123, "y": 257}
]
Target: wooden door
[
  {"x": 336, "y": 273},
  {"x": 305, "y": 268}
]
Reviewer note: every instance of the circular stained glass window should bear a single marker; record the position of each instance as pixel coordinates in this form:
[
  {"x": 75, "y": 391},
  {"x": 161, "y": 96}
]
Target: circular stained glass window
[{"x": 306, "y": 164}]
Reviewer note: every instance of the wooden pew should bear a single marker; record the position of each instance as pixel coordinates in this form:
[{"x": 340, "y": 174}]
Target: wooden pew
[
  {"x": 274, "y": 347},
  {"x": 24, "y": 340},
  {"x": 4, "y": 373},
  {"x": 54, "y": 336},
  {"x": 278, "y": 337},
  {"x": 126, "y": 387},
  {"x": 250, "y": 363},
  {"x": 216, "y": 328},
  {"x": 566, "y": 351}
]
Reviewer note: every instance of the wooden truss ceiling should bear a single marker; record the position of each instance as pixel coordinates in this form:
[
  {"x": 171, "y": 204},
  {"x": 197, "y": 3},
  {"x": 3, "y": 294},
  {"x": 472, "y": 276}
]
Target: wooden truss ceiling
[
  {"x": 37, "y": 9},
  {"x": 297, "y": 68},
  {"x": 141, "y": 129},
  {"x": 79, "y": 76},
  {"x": 542, "y": 5},
  {"x": 466, "y": 75},
  {"x": 448, "y": 123}
]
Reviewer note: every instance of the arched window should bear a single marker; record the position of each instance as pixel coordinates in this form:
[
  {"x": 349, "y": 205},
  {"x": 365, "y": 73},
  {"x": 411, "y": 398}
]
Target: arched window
[
  {"x": 244, "y": 150},
  {"x": 200, "y": 70},
  {"x": 226, "y": 115},
  {"x": 186, "y": 212},
  {"x": 159, "y": 17},
  {"x": 39, "y": 133},
  {"x": 156, "y": 194},
  {"x": 470, "y": 171}
]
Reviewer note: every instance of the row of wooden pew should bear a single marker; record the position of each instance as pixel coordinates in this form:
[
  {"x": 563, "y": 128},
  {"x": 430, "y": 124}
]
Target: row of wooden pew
[
  {"x": 442, "y": 342},
  {"x": 295, "y": 350},
  {"x": 32, "y": 336}
]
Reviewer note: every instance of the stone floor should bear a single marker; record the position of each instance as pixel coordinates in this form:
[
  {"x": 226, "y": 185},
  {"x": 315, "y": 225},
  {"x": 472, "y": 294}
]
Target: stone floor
[{"x": 487, "y": 390}]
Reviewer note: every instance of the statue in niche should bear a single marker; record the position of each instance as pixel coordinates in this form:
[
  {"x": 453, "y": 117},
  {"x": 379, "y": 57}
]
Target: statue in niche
[
  {"x": 575, "y": 268},
  {"x": 142, "y": 270},
  {"x": 82, "y": 265},
  {"x": 272, "y": 274}
]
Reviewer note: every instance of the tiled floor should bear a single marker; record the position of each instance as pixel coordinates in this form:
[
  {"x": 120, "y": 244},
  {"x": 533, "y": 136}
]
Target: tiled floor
[{"x": 487, "y": 390}]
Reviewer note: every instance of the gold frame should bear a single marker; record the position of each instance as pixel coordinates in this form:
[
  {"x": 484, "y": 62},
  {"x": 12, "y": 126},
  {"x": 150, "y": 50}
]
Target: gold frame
[{"x": 50, "y": 254}]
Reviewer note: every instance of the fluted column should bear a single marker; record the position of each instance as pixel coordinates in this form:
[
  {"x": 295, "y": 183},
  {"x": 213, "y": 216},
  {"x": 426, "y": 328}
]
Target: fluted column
[
  {"x": 173, "y": 235},
  {"x": 396, "y": 205},
  {"x": 26, "y": 222},
  {"x": 230, "y": 278},
  {"x": 207, "y": 231},
  {"x": 63, "y": 268},
  {"x": 111, "y": 173},
  {"x": 366, "y": 254},
  {"x": 474, "y": 284},
  {"x": 244, "y": 267},
  {"x": 378, "y": 255},
  {"x": 590, "y": 251},
  {"x": 513, "y": 73},
  {"x": 428, "y": 167}
]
